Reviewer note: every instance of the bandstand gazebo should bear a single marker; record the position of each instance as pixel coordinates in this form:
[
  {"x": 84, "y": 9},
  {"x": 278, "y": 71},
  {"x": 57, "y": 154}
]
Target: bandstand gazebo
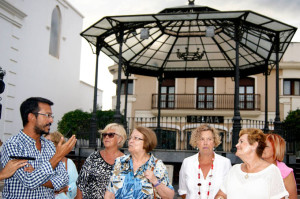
[{"x": 191, "y": 41}]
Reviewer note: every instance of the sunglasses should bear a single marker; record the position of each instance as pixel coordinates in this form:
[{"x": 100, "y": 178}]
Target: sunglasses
[{"x": 110, "y": 135}]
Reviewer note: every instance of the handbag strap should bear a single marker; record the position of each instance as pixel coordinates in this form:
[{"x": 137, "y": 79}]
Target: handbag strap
[{"x": 152, "y": 185}]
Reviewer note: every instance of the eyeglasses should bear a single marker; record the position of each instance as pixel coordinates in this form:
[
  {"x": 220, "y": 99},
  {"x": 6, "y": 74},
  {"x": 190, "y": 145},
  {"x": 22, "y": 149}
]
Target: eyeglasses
[
  {"x": 135, "y": 139},
  {"x": 110, "y": 135},
  {"x": 45, "y": 114}
]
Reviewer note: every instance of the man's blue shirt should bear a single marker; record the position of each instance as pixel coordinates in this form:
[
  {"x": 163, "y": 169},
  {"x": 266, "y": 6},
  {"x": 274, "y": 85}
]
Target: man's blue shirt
[{"x": 29, "y": 185}]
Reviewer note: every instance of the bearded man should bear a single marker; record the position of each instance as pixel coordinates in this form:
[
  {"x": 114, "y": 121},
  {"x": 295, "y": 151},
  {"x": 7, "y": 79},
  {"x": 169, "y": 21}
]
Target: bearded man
[{"x": 44, "y": 174}]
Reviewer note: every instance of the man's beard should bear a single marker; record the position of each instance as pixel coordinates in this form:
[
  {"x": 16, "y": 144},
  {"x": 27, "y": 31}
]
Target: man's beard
[{"x": 40, "y": 131}]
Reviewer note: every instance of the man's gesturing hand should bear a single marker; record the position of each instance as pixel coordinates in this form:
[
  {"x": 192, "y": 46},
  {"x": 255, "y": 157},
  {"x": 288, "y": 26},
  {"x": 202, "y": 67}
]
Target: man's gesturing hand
[{"x": 62, "y": 150}]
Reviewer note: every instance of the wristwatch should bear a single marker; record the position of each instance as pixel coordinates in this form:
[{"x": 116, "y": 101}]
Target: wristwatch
[{"x": 158, "y": 183}]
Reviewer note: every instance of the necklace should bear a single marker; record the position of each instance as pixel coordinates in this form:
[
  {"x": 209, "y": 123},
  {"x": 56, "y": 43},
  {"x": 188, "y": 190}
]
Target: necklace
[
  {"x": 254, "y": 167},
  {"x": 210, "y": 176}
]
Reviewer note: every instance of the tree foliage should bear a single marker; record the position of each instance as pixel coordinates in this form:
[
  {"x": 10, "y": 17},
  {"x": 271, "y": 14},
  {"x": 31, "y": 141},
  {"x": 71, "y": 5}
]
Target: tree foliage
[
  {"x": 74, "y": 121},
  {"x": 78, "y": 122},
  {"x": 291, "y": 124}
]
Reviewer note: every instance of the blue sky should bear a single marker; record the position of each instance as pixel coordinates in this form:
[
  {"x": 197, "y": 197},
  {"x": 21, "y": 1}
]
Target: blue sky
[{"x": 93, "y": 10}]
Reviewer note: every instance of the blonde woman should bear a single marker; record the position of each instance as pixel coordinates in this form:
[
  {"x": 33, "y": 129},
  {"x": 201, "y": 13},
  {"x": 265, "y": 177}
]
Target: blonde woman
[
  {"x": 95, "y": 173},
  {"x": 202, "y": 174}
]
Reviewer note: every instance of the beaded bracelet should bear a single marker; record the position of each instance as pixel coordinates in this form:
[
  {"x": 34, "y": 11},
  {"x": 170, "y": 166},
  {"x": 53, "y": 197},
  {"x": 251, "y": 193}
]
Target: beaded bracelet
[{"x": 158, "y": 183}]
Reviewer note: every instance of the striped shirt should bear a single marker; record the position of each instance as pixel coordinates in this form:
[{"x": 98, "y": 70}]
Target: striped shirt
[{"x": 29, "y": 185}]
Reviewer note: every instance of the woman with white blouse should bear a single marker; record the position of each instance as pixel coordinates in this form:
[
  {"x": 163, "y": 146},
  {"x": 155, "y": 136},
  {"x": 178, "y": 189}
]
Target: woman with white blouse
[
  {"x": 202, "y": 174},
  {"x": 254, "y": 178}
]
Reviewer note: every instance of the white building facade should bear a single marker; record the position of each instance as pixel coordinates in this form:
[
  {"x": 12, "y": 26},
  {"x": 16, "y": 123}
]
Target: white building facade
[{"x": 37, "y": 67}]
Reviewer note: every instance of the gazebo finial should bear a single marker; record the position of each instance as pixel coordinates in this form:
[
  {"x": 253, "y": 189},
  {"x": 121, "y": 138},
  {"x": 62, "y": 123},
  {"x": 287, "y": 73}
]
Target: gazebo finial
[{"x": 191, "y": 2}]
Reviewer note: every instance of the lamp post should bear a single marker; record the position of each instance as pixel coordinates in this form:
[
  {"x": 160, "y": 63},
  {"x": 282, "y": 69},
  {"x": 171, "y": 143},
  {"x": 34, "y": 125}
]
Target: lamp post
[
  {"x": 117, "y": 115},
  {"x": 93, "y": 127},
  {"x": 237, "y": 116},
  {"x": 277, "y": 122}
]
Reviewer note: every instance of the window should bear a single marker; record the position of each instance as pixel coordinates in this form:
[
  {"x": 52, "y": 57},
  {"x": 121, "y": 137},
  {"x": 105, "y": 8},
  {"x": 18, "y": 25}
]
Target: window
[
  {"x": 168, "y": 93},
  {"x": 247, "y": 93},
  {"x": 55, "y": 32},
  {"x": 129, "y": 86},
  {"x": 291, "y": 87},
  {"x": 205, "y": 93}
]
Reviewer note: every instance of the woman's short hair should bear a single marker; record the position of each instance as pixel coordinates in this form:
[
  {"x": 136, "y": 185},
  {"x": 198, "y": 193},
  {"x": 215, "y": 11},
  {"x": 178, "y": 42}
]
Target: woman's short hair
[
  {"x": 150, "y": 139},
  {"x": 278, "y": 146},
  {"x": 119, "y": 129},
  {"x": 55, "y": 138},
  {"x": 255, "y": 135},
  {"x": 196, "y": 134}
]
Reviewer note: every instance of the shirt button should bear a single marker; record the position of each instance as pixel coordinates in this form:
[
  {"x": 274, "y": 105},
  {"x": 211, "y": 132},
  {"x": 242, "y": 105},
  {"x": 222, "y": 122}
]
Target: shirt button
[{"x": 131, "y": 189}]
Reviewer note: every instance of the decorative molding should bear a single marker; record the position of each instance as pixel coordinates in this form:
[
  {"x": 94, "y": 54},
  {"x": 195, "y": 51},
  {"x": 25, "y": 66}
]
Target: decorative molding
[
  {"x": 12, "y": 9},
  {"x": 13, "y": 48},
  {"x": 9, "y": 121},
  {"x": 9, "y": 8},
  {"x": 62, "y": 3},
  {"x": 12, "y": 72},
  {"x": 14, "y": 36},
  {"x": 69, "y": 5},
  {"x": 13, "y": 85},
  {"x": 12, "y": 60},
  {"x": 10, "y": 20},
  {"x": 289, "y": 65}
]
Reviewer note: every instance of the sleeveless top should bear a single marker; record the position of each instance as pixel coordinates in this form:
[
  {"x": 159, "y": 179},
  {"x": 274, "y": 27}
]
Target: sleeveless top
[{"x": 284, "y": 170}]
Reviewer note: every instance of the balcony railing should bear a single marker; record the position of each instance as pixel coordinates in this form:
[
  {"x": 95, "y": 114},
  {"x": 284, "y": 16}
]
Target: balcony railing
[{"x": 206, "y": 101}]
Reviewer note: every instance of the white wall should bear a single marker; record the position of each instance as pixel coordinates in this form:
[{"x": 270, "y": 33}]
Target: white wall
[{"x": 31, "y": 71}]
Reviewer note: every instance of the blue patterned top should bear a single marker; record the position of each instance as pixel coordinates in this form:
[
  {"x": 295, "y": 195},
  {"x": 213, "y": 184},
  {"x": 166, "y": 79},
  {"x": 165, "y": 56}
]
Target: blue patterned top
[
  {"x": 30, "y": 185},
  {"x": 125, "y": 184}
]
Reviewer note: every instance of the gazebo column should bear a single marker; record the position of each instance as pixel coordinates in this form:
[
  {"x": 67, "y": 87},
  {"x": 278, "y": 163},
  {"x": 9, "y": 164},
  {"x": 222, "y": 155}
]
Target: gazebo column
[
  {"x": 277, "y": 122},
  {"x": 160, "y": 79},
  {"x": 266, "y": 128},
  {"x": 126, "y": 99},
  {"x": 93, "y": 126},
  {"x": 237, "y": 116},
  {"x": 117, "y": 115}
]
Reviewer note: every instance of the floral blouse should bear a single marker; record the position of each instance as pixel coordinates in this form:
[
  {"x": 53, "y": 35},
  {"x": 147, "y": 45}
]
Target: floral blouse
[
  {"x": 94, "y": 177},
  {"x": 125, "y": 184}
]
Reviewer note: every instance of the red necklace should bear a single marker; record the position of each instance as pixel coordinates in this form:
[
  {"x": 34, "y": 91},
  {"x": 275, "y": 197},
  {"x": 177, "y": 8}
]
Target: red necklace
[{"x": 210, "y": 176}]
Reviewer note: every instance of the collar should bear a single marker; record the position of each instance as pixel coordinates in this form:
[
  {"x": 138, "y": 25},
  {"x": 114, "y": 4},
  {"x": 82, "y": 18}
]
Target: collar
[
  {"x": 29, "y": 140},
  {"x": 127, "y": 158}
]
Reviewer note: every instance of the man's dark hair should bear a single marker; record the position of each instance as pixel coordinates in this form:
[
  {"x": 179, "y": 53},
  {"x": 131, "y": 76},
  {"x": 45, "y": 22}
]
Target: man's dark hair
[{"x": 31, "y": 105}]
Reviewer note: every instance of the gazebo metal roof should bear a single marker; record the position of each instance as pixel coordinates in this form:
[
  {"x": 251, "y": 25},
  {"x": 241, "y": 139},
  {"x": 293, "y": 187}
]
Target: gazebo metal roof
[{"x": 178, "y": 44}]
